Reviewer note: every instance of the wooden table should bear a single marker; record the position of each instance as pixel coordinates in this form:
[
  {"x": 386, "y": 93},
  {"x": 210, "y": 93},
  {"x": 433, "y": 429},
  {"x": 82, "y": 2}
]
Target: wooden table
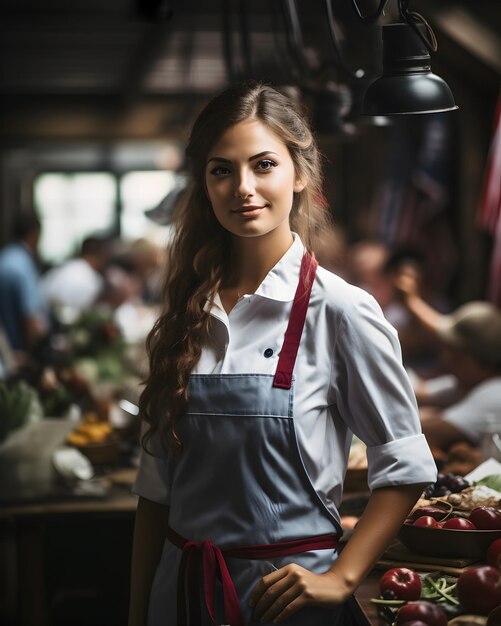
[
  {"x": 367, "y": 590},
  {"x": 55, "y": 538},
  {"x": 73, "y": 552}
]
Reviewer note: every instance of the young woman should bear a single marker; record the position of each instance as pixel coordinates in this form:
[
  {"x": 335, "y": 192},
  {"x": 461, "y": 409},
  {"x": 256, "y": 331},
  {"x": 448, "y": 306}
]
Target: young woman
[{"x": 261, "y": 368}]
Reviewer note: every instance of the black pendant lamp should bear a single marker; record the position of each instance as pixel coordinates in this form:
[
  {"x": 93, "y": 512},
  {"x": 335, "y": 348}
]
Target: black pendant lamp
[{"x": 407, "y": 85}]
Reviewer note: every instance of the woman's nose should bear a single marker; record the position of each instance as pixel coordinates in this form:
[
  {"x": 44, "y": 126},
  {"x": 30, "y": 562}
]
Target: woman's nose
[{"x": 244, "y": 186}]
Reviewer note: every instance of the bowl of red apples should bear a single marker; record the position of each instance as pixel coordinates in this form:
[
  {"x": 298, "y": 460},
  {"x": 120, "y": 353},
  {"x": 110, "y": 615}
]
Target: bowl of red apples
[{"x": 453, "y": 527}]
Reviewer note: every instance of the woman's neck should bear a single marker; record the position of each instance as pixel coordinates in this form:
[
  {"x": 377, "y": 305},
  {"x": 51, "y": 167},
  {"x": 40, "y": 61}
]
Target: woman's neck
[{"x": 252, "y": 259}]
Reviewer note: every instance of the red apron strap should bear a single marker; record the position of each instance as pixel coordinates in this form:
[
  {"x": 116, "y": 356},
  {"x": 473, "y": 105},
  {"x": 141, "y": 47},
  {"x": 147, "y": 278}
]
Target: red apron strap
[{"x": 287, "y": 360}]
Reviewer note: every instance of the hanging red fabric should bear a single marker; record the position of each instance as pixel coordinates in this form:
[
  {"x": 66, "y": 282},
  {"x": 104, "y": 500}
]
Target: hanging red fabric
[{"x": 489, "y": 208}]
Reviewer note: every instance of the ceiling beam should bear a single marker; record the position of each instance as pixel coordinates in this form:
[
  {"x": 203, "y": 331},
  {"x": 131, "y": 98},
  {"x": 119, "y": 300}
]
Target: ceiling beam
[
  {"x": 462, "y": 25},
  {"x": 73, "y": 118}
]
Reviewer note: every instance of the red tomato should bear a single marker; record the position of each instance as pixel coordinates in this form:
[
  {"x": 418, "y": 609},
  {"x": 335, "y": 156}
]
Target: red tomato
[
  {"x": 404, "y": 582},
  {"x": 427, "y": 520},
  {"x": 422, "y": 611},
  {"x": 486, "y": 518},
  {"x": 494, "y": 554},
  {"x": 479, "y": 589},
  {"x": 459, "y": 523}
]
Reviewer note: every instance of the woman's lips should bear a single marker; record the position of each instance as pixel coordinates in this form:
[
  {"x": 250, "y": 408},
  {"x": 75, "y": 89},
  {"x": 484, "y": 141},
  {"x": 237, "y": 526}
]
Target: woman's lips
[{"x": 249, "y": 211}]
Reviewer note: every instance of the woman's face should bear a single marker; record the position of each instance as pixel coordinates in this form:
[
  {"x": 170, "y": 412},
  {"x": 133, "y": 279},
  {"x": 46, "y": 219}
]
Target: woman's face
[{"x": 250, "y": 180}]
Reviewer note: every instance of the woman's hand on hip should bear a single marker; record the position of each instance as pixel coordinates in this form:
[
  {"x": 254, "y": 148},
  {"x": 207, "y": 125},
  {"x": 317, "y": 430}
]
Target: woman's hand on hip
[{"x": 283, "y": 592}]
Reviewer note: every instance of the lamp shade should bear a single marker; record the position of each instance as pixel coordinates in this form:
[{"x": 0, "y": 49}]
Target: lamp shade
[{"x": 407, "y": 85}]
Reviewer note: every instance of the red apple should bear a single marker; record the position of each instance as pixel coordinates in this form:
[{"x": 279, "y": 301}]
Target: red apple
[
  {"x": 404, "y": 582},
  {"x": 422, "y": 611},
  {"x": 459, "y": 523},
  {"x": 479, "y": 589},
  {"x": 486, "y": 518},
  {"x": 494, "y": 617},
  {"x": 427, "y": 520},
  {"x": 494, "y": 554}
]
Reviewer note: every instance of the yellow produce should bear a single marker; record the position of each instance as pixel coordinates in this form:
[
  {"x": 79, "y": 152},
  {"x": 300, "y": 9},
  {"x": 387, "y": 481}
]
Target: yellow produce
[{"x": 90, "y": 431}]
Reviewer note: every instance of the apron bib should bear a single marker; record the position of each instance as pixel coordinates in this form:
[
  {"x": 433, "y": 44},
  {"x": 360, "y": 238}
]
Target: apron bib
[{"x": 242, "y": 503}]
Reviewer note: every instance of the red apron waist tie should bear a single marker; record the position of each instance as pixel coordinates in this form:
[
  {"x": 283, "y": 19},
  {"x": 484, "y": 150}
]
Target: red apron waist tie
[{"x": 214, "y": 565}]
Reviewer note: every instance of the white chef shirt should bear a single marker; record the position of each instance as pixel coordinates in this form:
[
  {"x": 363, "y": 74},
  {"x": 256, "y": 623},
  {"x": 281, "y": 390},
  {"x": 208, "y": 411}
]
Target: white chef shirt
[{"x": 348, "y": 376}]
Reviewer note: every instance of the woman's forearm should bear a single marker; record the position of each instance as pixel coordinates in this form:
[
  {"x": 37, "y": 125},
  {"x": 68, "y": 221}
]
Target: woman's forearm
[
  {"x": 386, "y": 510},
  {"x": 149, "y": 536}
]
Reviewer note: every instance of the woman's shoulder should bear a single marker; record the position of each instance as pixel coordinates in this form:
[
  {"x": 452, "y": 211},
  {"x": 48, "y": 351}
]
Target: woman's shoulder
[
  {"x": 340, "y": 296},
  {"x": 353, "y": 314}
]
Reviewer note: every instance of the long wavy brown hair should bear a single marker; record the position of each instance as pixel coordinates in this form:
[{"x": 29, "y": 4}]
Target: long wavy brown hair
[{"x": 200, "y": 250}]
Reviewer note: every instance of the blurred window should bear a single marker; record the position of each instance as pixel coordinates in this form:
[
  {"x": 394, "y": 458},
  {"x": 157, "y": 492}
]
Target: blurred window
[
  {"x": 140, "y": 191},
  {"x": 71, "y": 207}
]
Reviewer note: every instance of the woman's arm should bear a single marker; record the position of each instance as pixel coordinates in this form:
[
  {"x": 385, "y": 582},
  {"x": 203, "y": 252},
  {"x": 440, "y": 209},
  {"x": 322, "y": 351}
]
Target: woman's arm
[
  {"x": 285, "y": 591},
  {"x": 149, "y": 536},
  {"x": 384, "y": 514}
]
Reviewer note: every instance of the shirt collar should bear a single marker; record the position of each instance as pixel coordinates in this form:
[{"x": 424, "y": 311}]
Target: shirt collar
[
  {"x": 217, "y": 310},
  {"x": 279, "y": 284},
  {"x": 281, "y": 281}
]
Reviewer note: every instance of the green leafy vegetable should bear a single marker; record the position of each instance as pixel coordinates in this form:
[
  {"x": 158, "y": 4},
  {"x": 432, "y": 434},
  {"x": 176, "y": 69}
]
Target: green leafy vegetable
[
  {"x": 493, "y": 481},
  {"x": 16, "y": 402}
]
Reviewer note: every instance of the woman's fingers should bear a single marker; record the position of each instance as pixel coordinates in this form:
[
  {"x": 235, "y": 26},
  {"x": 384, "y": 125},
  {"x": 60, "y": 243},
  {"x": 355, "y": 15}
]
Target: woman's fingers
[
  {"x": 264, "y": 585},
  {"x": 285, "y": 590},
  {"x": 285, "y": 604},
  {"x": 288, "y": 610}
]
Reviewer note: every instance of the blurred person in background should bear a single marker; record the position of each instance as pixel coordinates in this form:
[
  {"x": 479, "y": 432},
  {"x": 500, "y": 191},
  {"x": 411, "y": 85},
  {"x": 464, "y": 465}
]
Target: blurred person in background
[
  {"x": 471, "y": 352},
  {"x": 23, "y": 311},
  {"x": 331, "y": 250},
  {"x": 365, "y": 261},
  {"x": 419, "y": 344},
  {"x": 146, "y": 259},
  {"x": 130, "y": 291},
  {"x": 373, "y": 267},
  {"x": 77, "y": 284}
]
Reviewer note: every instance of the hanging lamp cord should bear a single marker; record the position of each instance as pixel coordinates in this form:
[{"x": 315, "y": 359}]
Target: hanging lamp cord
[
  {"x": 413, "y": 18},
  {"x": 410, "y": 17}
]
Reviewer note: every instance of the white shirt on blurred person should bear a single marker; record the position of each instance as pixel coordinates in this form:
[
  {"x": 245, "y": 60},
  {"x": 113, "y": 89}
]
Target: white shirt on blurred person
[{"x": 75, "y": 285}]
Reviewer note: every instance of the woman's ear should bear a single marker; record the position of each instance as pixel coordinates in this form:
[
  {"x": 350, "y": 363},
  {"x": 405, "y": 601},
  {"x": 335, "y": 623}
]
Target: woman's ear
[{"x": 300, "y": 184}]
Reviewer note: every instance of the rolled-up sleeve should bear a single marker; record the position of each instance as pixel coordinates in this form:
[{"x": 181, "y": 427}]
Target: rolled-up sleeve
[
  {"x": 153, "y": 476},
  {"x": 400, "y": 462},
  {"x": 375, "y": 399}
]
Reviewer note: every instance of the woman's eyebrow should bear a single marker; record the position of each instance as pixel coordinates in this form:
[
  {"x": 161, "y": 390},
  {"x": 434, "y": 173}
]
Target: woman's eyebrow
[{"x": 252, "y": 158}]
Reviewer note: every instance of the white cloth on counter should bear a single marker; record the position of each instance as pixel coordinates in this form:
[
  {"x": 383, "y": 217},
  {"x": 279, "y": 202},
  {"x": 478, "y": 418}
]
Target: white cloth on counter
[{"x": 479, "y": 412}]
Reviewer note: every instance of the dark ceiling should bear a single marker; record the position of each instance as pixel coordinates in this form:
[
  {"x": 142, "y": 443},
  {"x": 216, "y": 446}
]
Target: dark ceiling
[{"x": 108, "y": 69}]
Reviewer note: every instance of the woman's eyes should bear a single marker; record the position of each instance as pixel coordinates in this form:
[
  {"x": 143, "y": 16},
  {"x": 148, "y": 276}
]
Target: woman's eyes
[
  {"x": 220, "y": 170},
  {"x": 261, "y": 166},
  {"x": 265, "y": 164}
]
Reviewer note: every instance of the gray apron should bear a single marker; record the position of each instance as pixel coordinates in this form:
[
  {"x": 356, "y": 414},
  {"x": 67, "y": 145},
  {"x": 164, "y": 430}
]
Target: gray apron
[{"x": 240, "y": 481}]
